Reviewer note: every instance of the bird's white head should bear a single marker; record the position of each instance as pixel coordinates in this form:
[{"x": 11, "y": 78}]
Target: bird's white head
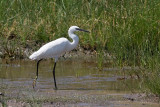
[
  {"x": 72, "y": 29},
  {"x": 75, "y": 38}
]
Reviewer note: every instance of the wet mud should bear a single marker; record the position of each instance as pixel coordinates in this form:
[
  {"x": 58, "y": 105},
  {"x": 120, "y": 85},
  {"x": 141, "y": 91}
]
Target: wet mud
[{"x": 79, "y": 82}]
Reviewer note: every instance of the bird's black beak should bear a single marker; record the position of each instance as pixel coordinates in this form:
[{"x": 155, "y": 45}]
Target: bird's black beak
[{"x": 82, "y": 30}]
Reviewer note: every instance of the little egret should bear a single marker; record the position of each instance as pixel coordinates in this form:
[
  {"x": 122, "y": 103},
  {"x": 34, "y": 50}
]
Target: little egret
[{"x": 55, "y": 49}]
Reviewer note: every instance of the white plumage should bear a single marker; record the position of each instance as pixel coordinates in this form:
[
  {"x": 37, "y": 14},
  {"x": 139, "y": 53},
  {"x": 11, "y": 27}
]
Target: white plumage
[
  {"x": 52, "y": 49},
  {"x": 55, "y": 49}
]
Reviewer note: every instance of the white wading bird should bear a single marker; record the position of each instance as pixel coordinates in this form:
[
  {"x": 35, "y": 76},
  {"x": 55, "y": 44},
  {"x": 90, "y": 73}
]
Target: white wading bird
[{"x": 55, "y": 49}]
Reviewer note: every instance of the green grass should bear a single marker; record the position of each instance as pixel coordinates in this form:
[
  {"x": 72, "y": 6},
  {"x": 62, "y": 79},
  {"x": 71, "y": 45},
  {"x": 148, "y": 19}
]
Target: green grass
[
  {"x": 127, "y": 29},
  {"x": 152, "y": 82}
]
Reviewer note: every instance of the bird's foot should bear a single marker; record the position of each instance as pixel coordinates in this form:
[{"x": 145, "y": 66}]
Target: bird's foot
[
  {"x": 56, "y": 88},
  {"x": 34, "y": 82}
]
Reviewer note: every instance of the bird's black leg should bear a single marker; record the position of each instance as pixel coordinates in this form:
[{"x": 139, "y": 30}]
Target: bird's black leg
[
  {"x": 54, "y": 75},
  {"x": 34, "y": 82}
]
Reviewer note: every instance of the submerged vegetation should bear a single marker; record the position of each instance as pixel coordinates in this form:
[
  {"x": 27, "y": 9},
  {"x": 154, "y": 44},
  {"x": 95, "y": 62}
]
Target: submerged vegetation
[{"x": 129, "y": 30}]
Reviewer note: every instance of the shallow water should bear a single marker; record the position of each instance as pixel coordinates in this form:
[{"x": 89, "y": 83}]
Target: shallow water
[
  {"x": 71, "y": 74},
  {"x": 79, "y": 83}
]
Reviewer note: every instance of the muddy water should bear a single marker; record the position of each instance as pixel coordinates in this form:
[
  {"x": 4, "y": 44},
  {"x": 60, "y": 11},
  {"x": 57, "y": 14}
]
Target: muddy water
[
  {"x": 70, "y": 75},
  {"x": 79, "y": 83}
]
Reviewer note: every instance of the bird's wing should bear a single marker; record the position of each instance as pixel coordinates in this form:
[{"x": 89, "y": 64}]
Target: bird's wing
[{"x": 52, "y": 49}]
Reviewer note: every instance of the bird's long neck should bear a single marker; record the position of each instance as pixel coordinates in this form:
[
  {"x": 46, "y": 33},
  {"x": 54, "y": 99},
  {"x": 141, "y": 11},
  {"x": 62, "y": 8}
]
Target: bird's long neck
[{"x": 75, "y": 41}]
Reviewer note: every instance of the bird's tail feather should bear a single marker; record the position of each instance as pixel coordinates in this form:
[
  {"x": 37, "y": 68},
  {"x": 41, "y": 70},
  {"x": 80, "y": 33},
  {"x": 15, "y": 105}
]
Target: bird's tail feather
[{"x": 33, "y": 56}]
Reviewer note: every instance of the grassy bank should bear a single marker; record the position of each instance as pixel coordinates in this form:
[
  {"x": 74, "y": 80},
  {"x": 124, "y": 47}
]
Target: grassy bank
[{"x": 129, "y": 30}]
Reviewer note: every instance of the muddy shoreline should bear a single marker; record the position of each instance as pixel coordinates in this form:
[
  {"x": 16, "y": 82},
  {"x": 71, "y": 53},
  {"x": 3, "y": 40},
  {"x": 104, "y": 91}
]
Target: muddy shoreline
[
  {"x": 18, "y": 91},
  {"x": 78, "y": 98}
]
